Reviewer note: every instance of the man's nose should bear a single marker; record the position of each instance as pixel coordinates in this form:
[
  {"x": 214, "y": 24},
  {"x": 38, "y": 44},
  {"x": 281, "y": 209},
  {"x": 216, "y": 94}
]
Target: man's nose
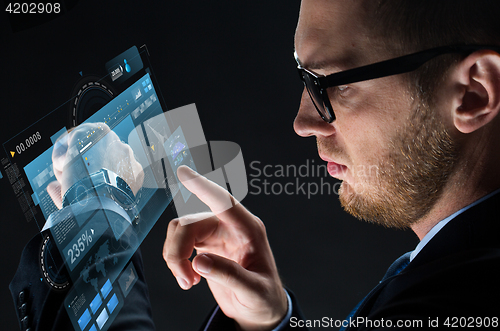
[{"x": 308, "y": 122}]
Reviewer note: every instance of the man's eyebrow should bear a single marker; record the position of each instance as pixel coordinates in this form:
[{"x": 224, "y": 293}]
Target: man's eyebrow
[
  {"x": 323, "y": 65},
  {"x": 318, "y": 65}
]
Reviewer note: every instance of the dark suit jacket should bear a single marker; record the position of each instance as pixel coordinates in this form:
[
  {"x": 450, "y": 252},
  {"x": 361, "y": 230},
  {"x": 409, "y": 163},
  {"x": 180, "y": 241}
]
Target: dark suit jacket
[
  {"x": 44, "y": 307},
  {"x": 457, "y": 274}
]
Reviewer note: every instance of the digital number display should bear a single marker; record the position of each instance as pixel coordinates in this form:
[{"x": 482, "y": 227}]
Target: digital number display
[
  {"x": 28, "y": 142},
  {"x": 79, "y": 246}
]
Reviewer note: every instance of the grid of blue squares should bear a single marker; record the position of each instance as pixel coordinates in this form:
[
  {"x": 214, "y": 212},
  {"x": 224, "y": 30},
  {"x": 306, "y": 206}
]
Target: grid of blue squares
[
  {"x": 147, "y": 85},
  {"x": 96, "y": 303}
]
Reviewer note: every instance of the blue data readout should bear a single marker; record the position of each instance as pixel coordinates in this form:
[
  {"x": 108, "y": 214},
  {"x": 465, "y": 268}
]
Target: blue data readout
[{"x": 83, "y": 242}]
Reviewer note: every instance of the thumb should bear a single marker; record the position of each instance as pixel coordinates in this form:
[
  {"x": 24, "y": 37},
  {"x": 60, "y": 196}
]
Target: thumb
[{"x": 224, "y": 272}]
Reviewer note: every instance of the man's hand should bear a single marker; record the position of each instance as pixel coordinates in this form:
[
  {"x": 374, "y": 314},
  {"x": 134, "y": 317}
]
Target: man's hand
[
  {"x": 107, "y": 151},
  {"x": 233, "y": 254}
]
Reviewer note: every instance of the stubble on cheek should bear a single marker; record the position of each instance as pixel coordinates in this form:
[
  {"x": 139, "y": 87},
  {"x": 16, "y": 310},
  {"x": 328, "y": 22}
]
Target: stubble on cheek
[{"x": 410, "y": 176}]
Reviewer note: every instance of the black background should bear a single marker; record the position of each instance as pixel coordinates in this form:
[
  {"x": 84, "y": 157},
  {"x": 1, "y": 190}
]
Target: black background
[{"x": 235, "y": 61}]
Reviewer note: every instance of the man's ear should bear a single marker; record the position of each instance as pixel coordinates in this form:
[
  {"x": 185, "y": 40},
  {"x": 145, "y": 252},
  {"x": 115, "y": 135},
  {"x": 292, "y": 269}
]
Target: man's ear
[{"x": 479, "y": 92}]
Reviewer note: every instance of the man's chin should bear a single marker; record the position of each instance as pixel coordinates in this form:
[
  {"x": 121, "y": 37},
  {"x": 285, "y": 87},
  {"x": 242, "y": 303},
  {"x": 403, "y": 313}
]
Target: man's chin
[
  {"x": 351, "y": 200},
  {"x": 371, "y": 207},
  {"x": 349, "y": 190}
]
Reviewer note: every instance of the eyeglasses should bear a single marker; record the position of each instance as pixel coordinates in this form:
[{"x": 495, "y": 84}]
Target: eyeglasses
[{"x": 316, "y": 85}]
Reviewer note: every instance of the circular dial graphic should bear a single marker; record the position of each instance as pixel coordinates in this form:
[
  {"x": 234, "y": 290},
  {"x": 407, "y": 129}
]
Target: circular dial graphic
[
  {"x": 52, "y": 266},
  {"x": 91, "y": 94}
]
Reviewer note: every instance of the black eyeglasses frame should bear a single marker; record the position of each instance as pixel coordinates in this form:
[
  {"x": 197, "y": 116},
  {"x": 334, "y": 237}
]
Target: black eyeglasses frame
[{"x": 316, "y": 85}]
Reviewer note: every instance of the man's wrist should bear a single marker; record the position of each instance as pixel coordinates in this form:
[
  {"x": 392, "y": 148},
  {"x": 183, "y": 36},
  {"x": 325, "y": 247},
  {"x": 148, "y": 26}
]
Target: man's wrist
[
  {"x": 276, "y": 325},
  {"x": 285, "y": 320}
]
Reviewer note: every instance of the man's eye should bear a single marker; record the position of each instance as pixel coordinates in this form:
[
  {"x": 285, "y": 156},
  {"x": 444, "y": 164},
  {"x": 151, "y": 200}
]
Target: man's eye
[{"x": 339, "y": 91}]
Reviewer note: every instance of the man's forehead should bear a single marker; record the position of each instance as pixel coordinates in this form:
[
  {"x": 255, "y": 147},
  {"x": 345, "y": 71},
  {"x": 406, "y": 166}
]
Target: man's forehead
[{"x": 330, "y": 34}]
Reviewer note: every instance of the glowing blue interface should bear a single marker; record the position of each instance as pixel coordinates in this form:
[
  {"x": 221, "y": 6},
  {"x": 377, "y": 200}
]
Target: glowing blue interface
[{"x": 101, "y": 188}]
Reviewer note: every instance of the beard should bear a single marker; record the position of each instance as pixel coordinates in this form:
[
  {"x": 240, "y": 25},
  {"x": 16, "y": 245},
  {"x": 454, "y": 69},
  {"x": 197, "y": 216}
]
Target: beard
[{"x": 410, "y": 177}]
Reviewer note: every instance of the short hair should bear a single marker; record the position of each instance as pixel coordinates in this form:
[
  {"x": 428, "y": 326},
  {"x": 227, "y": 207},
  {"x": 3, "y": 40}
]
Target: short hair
[{"x": 409, "y": 26}]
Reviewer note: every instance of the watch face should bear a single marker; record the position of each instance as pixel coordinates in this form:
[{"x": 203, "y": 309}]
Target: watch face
[
  {"x": 119, "y": 196},
  {"x": 124, "y": 198},
  {"x": 122, "y": 185}
]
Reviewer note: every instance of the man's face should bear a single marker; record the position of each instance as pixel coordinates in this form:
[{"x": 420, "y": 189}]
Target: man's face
[{"x": 391, "y": 151}]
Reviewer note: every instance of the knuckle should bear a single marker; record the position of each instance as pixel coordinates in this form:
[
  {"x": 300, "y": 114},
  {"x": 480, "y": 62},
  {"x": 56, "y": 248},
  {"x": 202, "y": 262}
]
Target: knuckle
[
  {"x": 260, "y": 225},
  {"x": 165, "y": 255},
  {"x": 174, "y": 266},
  {"x": 173, "y": 224},
  {"x": 170, "y": 258}
]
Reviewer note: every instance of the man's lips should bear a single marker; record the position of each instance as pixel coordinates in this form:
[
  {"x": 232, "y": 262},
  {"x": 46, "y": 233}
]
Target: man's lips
[{"x": 335, "y": 169}]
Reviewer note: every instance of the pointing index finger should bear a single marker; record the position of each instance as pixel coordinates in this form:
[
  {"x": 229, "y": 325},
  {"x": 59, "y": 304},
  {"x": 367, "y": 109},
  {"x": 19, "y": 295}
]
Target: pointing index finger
[{"x": 213, "y": 195}]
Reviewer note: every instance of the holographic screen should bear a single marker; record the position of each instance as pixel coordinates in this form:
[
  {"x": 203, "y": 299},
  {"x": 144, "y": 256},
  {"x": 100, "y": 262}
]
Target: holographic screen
[{"x": 103, "y": 185}]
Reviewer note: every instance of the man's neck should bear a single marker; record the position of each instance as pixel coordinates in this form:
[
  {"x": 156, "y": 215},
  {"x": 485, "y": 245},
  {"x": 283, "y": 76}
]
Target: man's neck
[
  {"x": 440, "y": 211},
  {"x": 456, "y": 195}
]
